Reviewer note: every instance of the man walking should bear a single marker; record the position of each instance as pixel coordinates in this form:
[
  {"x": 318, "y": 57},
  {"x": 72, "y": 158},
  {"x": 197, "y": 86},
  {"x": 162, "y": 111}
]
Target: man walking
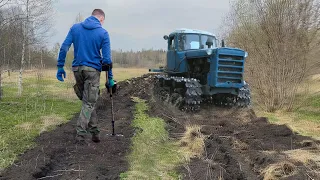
[{"x": 88, "y": 39}]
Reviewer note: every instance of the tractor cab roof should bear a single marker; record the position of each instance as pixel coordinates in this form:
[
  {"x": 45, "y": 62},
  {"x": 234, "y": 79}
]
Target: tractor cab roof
[{"x": 191, "y": 31}]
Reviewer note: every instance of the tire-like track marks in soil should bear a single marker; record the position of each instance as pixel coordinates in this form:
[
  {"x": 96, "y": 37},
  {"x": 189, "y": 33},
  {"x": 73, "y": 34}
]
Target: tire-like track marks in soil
[{"x": 58, "y": 156}]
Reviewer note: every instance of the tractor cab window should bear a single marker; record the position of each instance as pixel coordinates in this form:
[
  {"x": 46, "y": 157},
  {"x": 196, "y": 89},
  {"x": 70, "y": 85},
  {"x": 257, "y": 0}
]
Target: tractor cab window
[
  {"x": 195, "y": 41},
  {"x": 188, "y": 41},
  {"x": 171, "y": 43},
  {"x": 208, "y": 42}
]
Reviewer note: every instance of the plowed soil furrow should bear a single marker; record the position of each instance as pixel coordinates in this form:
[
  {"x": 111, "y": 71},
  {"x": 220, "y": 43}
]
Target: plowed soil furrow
[{"x": 57, "y": 155}]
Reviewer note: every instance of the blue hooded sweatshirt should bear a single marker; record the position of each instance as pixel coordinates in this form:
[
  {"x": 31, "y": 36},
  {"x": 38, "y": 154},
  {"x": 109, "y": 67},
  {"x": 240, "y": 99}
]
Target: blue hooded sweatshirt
[{"x": 88, "y": 39}]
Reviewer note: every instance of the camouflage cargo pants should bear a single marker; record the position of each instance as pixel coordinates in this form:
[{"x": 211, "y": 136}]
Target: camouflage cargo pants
[{"x": 87, "y": 90}]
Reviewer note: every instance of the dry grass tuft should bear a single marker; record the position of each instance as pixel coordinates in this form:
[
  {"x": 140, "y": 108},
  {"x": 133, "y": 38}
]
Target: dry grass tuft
[
  {"x": 25, "y": 126},
  {"x": 279, "y": 170},
  {"x": 310, "y": 159},
  {"x": 299, "y": 155},
  {"x": 237, "y": 144},
  {"x": 243, "y": 115},
  {"x": 50, "y": 121},
  {"x": 246, "y": 115},
  {"x": 315, "y": 77},
  {"x": 192, "y": 143},
  {"x": 312, "y": 85},
  {"x": 303, "y": 155}
]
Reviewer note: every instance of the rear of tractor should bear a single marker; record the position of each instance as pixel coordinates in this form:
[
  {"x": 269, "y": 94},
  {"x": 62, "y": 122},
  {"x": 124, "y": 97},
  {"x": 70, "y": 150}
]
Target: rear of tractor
[{"x": 199, "y": 72}]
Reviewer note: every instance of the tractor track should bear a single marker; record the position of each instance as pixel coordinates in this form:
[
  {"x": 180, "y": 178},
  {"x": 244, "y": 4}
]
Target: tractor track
[
  {"x": 238, "y": 145},
  {"x": 186, "y": 94}
]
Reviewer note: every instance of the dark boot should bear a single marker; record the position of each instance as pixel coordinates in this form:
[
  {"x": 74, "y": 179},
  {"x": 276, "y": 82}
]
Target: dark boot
[{"x": 95, "y": 138}]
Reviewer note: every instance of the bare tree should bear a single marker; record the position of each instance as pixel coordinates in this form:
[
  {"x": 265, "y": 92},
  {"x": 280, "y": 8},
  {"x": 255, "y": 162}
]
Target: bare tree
[
  {"x": 79, "y": 18},
  {"x": 4, "y": 3},
  {"x": 25, "y": 25},
  {"x": 2, "y": 60},
  {"x": 280, "y": 37},
  {"x": 36, "y": 26}
]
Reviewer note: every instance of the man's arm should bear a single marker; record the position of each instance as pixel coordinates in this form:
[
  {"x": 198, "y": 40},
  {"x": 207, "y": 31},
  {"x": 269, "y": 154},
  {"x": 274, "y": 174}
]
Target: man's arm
[
  {"x": 65, "y": 48},
  {"x": 106, "y": 53}
]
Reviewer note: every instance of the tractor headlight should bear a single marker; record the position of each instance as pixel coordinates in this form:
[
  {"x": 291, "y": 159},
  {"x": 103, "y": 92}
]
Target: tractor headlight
[
  {"x": 209, "y": 51},
  {"x": 245, "y": 54}
]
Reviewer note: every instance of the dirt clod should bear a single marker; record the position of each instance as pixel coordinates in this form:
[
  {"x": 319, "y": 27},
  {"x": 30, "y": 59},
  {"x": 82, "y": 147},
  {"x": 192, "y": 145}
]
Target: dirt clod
[{"x": 307, "y": 143}]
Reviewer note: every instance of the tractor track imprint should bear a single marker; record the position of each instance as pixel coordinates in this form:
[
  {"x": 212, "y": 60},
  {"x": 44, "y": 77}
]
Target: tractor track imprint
[{"x": 238, "y": 144}]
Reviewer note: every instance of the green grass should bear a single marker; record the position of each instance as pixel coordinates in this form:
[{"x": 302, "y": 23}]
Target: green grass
[
  {"x": 23, "y": 118},
  {"x": 315, "y": 101},
  {"x": 152, "y": 155},
  {"x": 311, "y": 109},
  {"x": 308, "y": 115},
  {"x": 272, "y": 118}
]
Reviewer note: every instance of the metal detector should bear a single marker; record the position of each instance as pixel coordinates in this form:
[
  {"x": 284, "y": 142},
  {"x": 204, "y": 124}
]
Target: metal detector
[{"x": 112, "y": 112}]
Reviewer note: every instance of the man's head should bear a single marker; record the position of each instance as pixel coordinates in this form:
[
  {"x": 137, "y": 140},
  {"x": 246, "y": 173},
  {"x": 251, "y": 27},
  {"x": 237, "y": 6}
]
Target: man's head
[{"x": 99, "y": 14}]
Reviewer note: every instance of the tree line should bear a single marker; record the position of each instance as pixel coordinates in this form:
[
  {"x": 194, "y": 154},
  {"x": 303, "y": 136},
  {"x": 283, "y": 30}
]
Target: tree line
[{"x": 145, "y": 58}]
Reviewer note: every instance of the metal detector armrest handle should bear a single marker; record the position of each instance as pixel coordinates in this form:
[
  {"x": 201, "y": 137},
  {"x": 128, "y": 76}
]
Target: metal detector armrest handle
[{"x": 107, "y": 82}]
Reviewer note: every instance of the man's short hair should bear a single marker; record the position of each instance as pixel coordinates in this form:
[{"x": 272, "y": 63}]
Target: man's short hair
[{"x": 98, "y": 12}]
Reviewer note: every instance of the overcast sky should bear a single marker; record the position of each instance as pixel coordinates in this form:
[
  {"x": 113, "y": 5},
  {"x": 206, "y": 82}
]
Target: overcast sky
[{"x": 137, "y": 24}]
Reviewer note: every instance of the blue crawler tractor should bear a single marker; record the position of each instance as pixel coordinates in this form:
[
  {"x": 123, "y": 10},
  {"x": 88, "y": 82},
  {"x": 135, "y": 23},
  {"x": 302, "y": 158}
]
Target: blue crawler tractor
[{"x": 198, "y": 72}]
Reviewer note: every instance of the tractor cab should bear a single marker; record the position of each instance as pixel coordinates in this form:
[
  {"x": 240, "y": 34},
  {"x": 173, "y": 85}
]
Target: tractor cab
[
  {"x": 187, "y": 39},
  {"x": 189, "y": 44},
  {"x": 198, "y": 54}
]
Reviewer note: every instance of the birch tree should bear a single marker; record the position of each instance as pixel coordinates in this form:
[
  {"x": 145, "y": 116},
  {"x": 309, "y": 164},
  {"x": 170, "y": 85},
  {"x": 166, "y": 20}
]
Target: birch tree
[
  {"x": 36, "y": 25},
  {"x": 3, "y": 3}
]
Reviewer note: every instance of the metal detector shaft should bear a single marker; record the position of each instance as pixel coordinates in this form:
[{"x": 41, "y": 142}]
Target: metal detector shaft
[{"x": 112, "y": 113}]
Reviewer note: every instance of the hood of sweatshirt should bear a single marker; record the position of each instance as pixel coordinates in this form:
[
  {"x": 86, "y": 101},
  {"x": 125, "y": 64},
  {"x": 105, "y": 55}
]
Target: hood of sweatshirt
[{"x": 91, "y": 23}]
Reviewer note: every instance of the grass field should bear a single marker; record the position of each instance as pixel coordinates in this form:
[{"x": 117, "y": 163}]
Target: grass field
[{"x": 45, "y": 103}]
